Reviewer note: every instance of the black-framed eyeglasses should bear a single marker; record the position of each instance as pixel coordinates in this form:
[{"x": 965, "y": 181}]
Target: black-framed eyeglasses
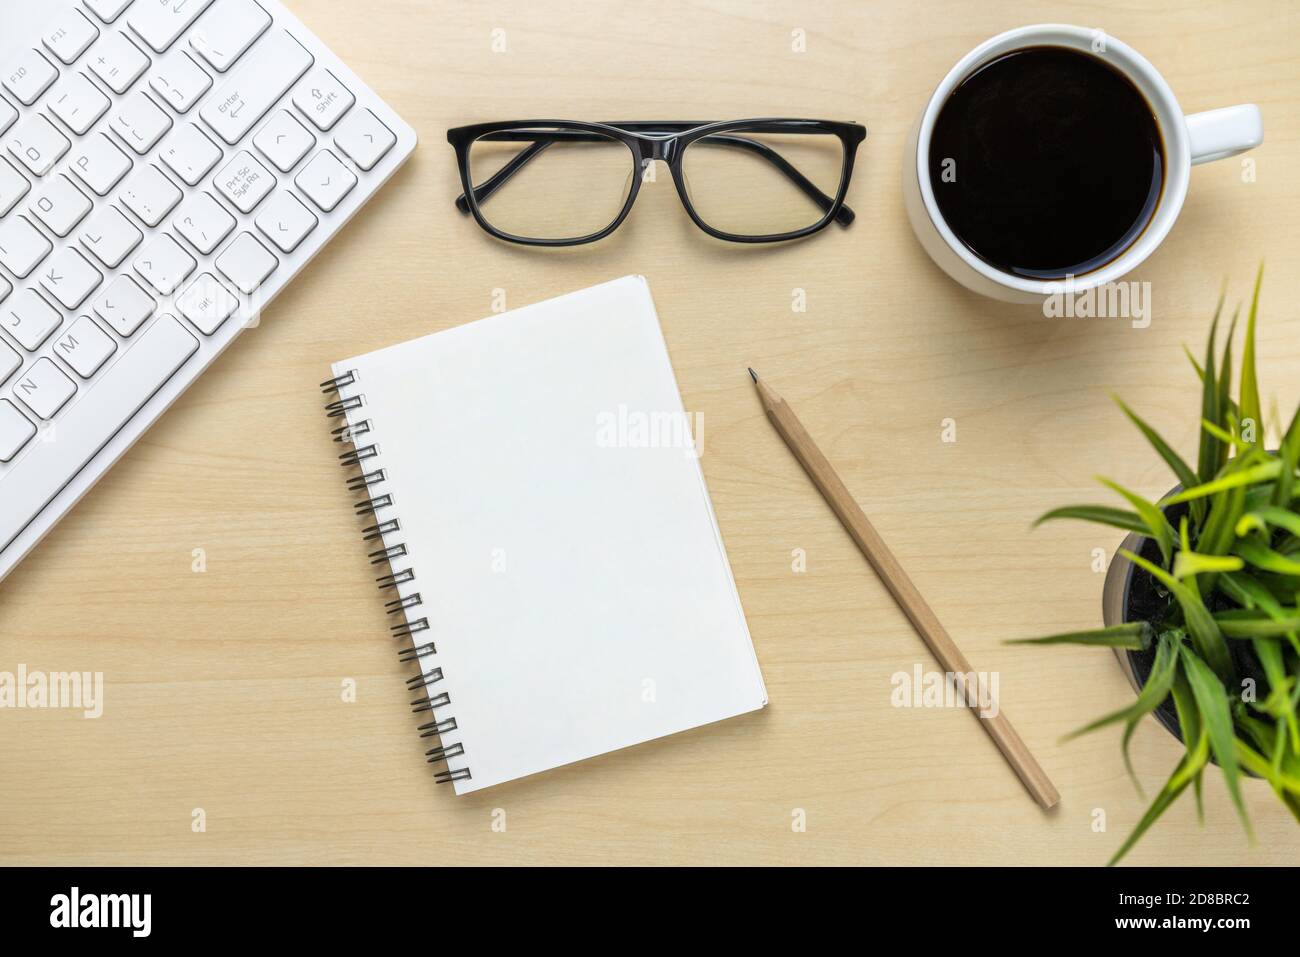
[{"x": 564, "y": 183}]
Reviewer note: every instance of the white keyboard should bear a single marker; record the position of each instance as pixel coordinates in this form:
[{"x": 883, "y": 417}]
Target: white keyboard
[{"x": 166, "y": 167}]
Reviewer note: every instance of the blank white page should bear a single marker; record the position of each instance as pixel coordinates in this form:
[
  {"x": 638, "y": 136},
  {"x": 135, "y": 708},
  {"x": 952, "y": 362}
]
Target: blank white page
[{"x": 564, "y": 546}]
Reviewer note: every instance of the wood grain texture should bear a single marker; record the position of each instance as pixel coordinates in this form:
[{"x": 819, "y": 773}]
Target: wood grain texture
[
  {"x": 969, "y": 686},
  {"x": 224, "y": 688}
]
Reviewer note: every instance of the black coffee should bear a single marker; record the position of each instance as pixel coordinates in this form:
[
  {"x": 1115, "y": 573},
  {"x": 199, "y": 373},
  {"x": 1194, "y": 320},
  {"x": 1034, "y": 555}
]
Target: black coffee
[{"x": 1046, "y": 162}]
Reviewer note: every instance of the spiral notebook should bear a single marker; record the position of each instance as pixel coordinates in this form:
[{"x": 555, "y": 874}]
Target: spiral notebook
[{"x": 532, "y": 494}]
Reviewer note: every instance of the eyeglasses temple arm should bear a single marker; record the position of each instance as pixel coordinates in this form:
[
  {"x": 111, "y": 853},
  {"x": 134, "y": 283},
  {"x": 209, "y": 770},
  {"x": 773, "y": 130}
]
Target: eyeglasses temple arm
[{"x": 497, "y": 179}]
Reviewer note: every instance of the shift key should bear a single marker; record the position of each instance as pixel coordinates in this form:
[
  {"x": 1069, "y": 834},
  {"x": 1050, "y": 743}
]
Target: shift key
[{"x": 252, "y": 89}]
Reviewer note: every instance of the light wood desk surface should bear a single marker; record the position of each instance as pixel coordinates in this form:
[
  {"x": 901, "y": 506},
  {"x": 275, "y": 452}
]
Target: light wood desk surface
[{"x": 224, "y": 688}]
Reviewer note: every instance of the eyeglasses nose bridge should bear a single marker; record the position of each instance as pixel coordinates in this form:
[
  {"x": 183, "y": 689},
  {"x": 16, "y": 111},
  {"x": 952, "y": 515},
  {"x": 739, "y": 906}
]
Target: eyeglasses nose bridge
[{"x": 656, "y": 149}]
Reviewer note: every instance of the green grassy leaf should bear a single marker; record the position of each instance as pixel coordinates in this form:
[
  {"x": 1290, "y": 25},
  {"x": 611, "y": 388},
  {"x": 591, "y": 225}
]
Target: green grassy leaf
[
  {"x": 1264, "y": 557},
  {"x": 1248, "y": 399},
  {"x": 1194, "y": 739},
  {"x": 1201, "y": 626},
  {"x": 1182, "y": 471},
  {"x": 1223, "y": 435},
  {"x": 1242, "y": 623},
  {"x": 1216, "y": 536},
  {"x": 1101, "y": 514},
  {"x": 1134, "y": 635},
  {"x": 1271, "y": 515},
  {"x": 1168, "y": 794},
  {"x": 1283, "y": 491},
  {"x": 1238, "y": 478},
  {"x": 1250, "y": 593},
  {"x": 1156, "y": 688},
  {"x": 1185, "y": 546},
  {"x": 1278, "y": 702},
  {"x": 1212, "y": 701},
  {"x": 1158, "y": 526},
  {"x": 1226, "y": 509},
  {"x": 1207, "y": 463},
  {"x": 1227, "y": 417},
  {"x": 1188, "y": 564},
  {"x": 1286, "y": 786}
]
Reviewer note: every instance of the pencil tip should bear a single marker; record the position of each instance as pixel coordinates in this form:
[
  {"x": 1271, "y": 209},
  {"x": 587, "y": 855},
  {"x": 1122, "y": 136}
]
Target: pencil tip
[{"x": 753, "y": 375}]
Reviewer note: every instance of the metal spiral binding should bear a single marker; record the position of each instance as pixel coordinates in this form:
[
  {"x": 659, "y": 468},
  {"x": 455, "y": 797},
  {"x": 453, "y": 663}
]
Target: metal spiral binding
[
  {"x": 342, "y": 407},
  {"x": 367, "y": 482},
  {"x": 381, "y": 529},
  {"x": 370, "y": 506},
  {"x": 338, "y": 382},
  {"x": 348, "y": 433},
  {"x": 359, "y": 482},
  {"x": 397, "y": 578}
]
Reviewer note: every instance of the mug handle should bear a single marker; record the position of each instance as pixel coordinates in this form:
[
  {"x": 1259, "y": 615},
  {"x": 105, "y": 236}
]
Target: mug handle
[{"x": 1217, "y": 134}]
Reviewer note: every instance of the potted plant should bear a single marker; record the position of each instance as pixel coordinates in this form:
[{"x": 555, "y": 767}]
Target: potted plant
[{"x": 1201, "y": 600}]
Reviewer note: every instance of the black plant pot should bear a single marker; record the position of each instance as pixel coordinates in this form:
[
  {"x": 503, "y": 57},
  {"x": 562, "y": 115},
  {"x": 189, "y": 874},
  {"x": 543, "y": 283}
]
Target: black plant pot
[
  {"x": 1128, "y": 596},
  {"x": 1131, "y": 594}
]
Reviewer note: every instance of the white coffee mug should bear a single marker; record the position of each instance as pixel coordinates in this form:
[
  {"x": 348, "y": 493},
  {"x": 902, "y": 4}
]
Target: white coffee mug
[{"x": 1188, "y": 140}]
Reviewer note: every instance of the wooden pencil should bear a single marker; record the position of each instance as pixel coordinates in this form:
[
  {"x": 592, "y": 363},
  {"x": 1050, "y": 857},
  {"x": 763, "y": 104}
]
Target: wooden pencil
[{"x": 900, "y": 586}]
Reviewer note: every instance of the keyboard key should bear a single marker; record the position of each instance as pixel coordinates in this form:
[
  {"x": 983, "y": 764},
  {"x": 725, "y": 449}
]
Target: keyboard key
[
  {"x": 7, "y": 115},
  {"x": 124, "y": 306},
  {"x": 284, "y": 141},
  {"x": 322, "y": 98},
  {"x": 15, "y": 431},
  {"x": 44, "y": 389},
  {"x": 160, "y": 22},
  {"x": 123, "y": 389},
  {"x": 190, "y": 154},
  {"x": 244, "y": 181},
  {"x": 13, "y": 186},
  {"x": 141, "y": 123},
  {"x": 109, "y": 235},
  {"x": 364, "y": 139},
  {"x": 223, "y": 35},
  {"x": 30, "y": 319},
  {"x": 164, "y": 265},
  {"x": 71, "y": 34},
  {"x": 325, "y": 180},
  {"x": 207, "y": 303},
  {"x": 61, "y": 205},
  {"x": 5, "y": 290},
  {"x": 22, "y": 246},
  {"x": 37, "y": 144},
  {"x": 149, "y": 194},
  {"x": 203, "y": 221},
  {"x": 69, "y": 278},
  {"x": 10, "y": 362},
  {"x": 255, "y": 86},
  {"x": 246, "y": 263},
  {"x": 180, "y": 81},
  {"x": 85, "y": 347},
  {"x": 78, "y": 102},
  {"x": 100, "y": 164},
  {"x": 118, "y": 62},
  {"x": 107, "y": 10},
  {"x": 285, "y": 221},
  {"x": 28, "y": 76}
]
